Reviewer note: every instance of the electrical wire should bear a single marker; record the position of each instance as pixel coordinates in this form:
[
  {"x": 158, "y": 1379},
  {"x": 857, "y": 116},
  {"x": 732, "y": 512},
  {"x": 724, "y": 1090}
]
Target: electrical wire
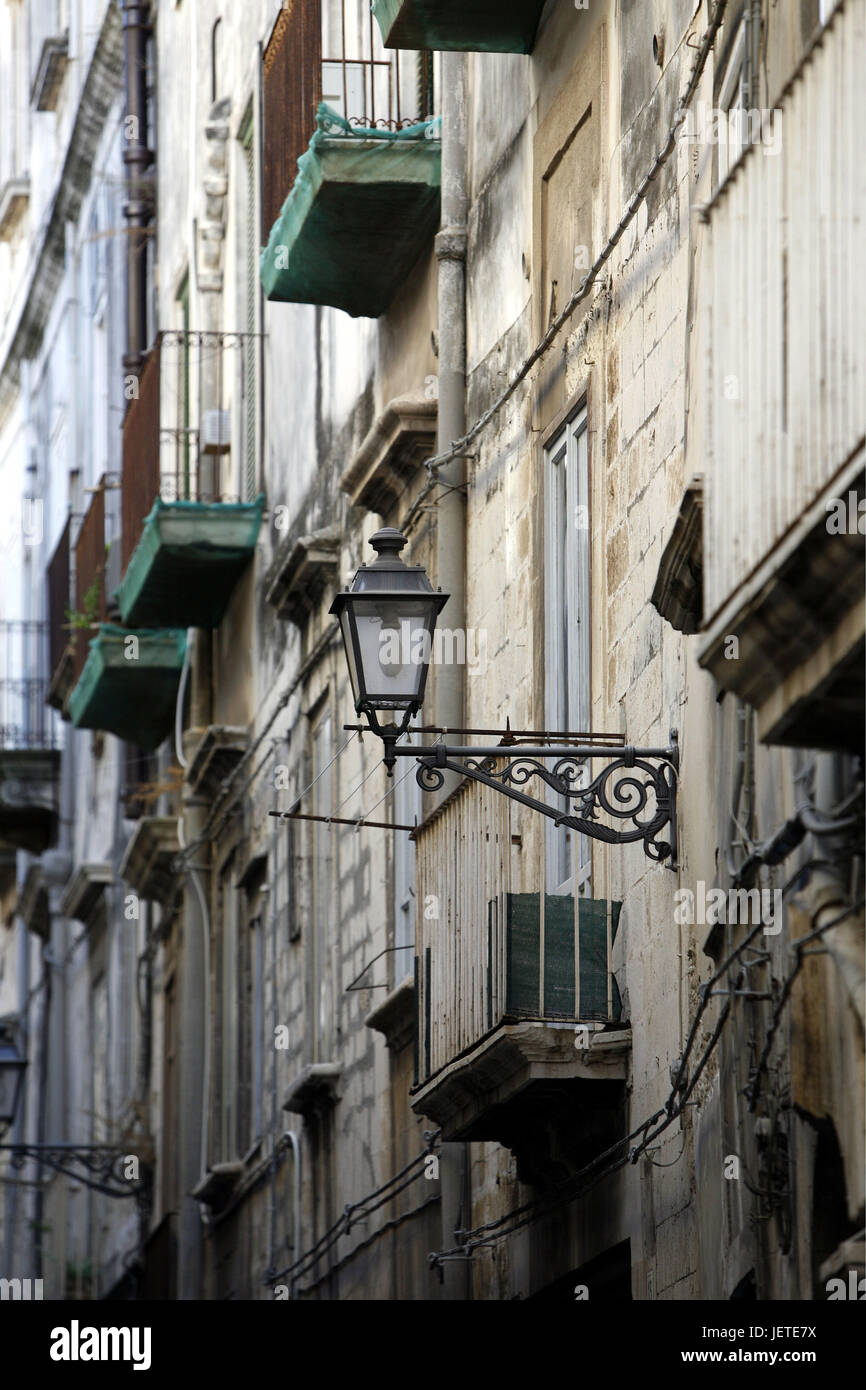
[
  {"x": 354, "y": 1213},
  {"x": 591, "y": 1174}
]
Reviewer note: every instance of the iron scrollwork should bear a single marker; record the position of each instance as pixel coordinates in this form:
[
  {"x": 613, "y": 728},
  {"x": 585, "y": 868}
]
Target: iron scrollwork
[
  {"x": 637, "y": 786},
  {"x": 98, "y": 1166}
]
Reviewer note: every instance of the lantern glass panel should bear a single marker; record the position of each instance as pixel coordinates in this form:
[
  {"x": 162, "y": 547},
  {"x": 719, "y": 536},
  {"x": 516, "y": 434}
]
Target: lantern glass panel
[
  {"x": 347, "y": 627},
  {"x": 394, "y": 640}
]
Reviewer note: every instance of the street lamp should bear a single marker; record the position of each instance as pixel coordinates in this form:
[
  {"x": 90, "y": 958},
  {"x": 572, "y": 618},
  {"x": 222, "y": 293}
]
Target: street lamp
[
  {"x": 388, "y": 618},
  {"x": 12, "y": 1068}
]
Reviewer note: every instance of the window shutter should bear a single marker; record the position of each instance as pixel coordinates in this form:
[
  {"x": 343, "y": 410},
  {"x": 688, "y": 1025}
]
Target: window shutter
[{"x": 292, "y": 90}]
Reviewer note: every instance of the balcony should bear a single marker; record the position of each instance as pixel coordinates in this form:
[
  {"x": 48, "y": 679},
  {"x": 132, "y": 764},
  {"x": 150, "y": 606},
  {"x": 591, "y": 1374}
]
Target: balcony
[
  {"x": 29, "y": 740},
  {"x": 122, "y": 681},
  {"x": 785, "y": 418},
  {"x": 128, "y": 686},
  {"x": 519, "y": 1036},
  {"x": 485, "y": 26},
  {"x": 186, "y": 538},
  {"x": 352, "y": 162}
]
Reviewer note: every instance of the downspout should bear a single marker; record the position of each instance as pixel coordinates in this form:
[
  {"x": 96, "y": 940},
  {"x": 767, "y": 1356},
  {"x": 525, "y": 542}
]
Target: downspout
[
  {"x": 449, "y": 689},
  {"x": 451, "y": 509},
  {"x": 137, "y": 157}
]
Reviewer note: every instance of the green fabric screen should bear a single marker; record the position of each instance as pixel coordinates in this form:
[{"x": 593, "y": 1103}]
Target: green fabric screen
[
  {"x": 364, "y": 205},
  {"x": 465, "y": 26},
  {"x": 129, "y": 689},
  {"x": 524, "y": 981}
]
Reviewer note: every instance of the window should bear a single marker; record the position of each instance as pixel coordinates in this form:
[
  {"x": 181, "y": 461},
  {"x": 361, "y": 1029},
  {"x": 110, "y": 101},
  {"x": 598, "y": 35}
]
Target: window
[
  {"x": 256, "y": 943},
  {"x": 732, "y": 104},
  {"x": 567, "y": 626},
  {"x": 319, "y": 946},
  {"x": 99, "y": 1023},
  {"x": 407, "y": 811},
  {"x": 228, "y": 1016},
  {"x": 293, "y": 913},
  {"x": 250, "y": 281},
  {"x": 215, "y": 58},
  {"x": 182, "y": 482}
]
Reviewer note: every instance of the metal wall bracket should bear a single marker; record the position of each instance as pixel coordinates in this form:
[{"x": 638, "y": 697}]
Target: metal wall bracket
[
  {"x": 98, "y": 1166},
  {"x": 638, "y": 785}
]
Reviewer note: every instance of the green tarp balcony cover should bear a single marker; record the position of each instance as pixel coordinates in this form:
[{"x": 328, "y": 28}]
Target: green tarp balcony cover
[
  {"x": 190, "y": 556},
  {"x": 360, "y": 212},
  {"x": 560, "y": 979},
  {"x": 129, "y": 684},
  {"x": 467, "y": 26}
]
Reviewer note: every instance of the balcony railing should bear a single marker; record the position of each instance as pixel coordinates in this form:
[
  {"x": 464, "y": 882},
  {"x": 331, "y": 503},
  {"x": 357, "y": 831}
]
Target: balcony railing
[
  {"x": 326, "y": 52},
  {"x": 487, "y": 955},
  {"x": 351, "y": 159},
  {"x": 29, "y": 739},
  {"x": 519, "y": 1037},
  {"x": 25, "y": 719},
  {"x": 187, "y": 532}
]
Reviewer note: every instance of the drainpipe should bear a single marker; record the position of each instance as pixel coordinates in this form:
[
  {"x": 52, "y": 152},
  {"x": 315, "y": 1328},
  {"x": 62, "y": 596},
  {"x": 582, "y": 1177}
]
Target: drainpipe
[
  {"x": 451, "y": 510},
  {"x": 449, "y": 688},
  {"x": 137, "y": 157}
]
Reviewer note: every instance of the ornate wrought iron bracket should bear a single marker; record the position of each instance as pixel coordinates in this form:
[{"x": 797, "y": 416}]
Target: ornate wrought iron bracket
[
  {"x": 638, "y": 785},
  {"x": 98, "y": 1166}
]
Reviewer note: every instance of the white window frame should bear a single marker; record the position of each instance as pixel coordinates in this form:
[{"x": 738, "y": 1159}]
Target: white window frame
[
  {"x": 731, "y": 99},
  {"x": 568, "y": 617}
]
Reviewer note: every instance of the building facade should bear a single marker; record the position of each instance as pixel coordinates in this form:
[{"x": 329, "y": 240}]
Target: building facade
[{"x": 567, "y": 294}]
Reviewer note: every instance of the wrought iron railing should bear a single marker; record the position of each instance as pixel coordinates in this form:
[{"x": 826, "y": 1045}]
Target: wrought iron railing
[
  {"x": 178, "y": 433},
  {"x": 488, "y": 953},
  {"x": 25, "y": 719},
  {"x": 330, "y": 50}
]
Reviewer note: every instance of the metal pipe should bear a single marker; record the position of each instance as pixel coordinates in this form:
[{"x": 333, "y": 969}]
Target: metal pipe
[
  {"x": 137, "y": 157},
  {"x": 449, "y": 687},
  {"x": 624, "y": 752},
  {"x": 450, "y": 542}
]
